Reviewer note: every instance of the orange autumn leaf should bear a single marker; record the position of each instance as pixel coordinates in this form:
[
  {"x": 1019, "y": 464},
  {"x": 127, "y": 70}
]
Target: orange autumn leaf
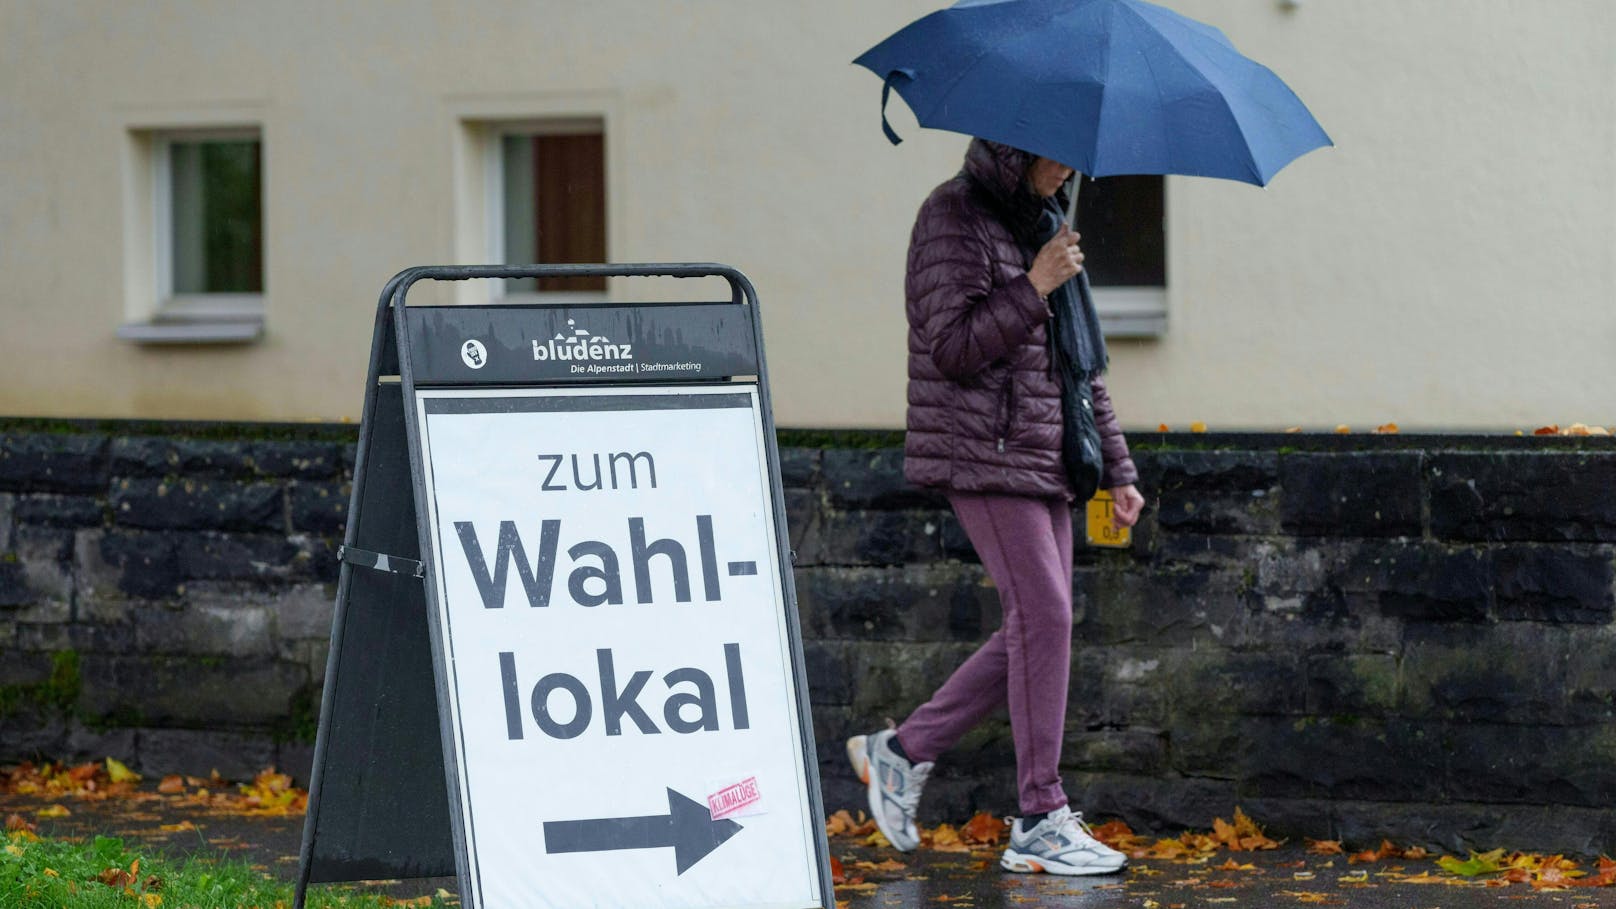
[
  {"x": 837, "y": 875},
  {"x": 171, "y": 785},
  {"x": 1325, "y": 847},
  {"x": 1386, "y": 429},
  {"x": 982, "y": 828},
  {"x": 1553, "y": 429}
]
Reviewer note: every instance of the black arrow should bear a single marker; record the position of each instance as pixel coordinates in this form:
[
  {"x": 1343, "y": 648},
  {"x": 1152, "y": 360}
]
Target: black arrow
[{"x": 688, "y": 827}]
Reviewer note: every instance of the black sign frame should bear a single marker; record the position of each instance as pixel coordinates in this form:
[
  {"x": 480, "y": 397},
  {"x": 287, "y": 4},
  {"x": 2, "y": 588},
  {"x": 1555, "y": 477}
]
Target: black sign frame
[{"x": 384, "y": 798}]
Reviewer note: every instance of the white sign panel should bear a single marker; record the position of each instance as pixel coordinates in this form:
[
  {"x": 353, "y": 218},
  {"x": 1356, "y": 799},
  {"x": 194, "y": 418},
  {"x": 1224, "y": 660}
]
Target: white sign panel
[{"x": 618, "y": 660}]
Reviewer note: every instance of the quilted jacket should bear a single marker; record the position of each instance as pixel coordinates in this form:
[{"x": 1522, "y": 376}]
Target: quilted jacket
[{"x": 984, "y": 403}]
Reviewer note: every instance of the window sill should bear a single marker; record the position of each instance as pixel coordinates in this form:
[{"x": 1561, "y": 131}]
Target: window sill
[
  {"x": 159, "y": 332},
  {"x": 1132, "y": 312},
  {"x": 201, "y": 319}
]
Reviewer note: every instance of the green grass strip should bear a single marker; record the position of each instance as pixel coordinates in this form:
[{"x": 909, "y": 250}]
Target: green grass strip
[{"x": 106, "y": 874}]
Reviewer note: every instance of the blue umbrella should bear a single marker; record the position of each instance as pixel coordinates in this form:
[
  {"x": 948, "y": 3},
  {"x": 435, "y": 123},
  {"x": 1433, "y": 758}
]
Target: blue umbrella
[{"x": 1103, "y": 86}]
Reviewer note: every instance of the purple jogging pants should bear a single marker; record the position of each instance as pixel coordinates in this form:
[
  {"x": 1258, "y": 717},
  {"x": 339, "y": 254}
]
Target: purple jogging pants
[{"x": 1026, "y": 546}]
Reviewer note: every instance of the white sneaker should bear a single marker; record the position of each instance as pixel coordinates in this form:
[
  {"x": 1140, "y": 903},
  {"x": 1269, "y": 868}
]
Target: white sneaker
[
  {"x": 1059, "y": 844},
  {"x": 893, "y": 785}
]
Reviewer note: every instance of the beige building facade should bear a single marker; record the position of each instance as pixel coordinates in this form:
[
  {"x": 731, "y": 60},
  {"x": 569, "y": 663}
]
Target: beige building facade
[{"x": 1451, "y": 264}]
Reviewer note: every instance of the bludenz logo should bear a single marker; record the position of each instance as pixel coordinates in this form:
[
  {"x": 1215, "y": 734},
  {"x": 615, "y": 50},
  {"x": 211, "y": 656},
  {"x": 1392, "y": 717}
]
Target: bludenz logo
[
  {"x": 579, "y": 344},
  {"x": 474, "y": 354}
]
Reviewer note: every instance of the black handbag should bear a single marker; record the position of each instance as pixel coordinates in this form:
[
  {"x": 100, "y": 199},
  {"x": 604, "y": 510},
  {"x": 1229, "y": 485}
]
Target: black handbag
[{"x": 1080, "y": 436}]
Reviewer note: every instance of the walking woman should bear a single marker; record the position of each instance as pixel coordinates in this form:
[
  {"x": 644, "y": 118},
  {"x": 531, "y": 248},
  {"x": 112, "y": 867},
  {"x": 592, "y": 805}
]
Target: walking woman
[{"x": 988, "y": 255}]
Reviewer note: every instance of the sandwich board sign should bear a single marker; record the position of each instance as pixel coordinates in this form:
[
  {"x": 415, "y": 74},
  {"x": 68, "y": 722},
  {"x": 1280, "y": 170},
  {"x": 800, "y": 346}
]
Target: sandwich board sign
[{"x": 565, "y": 664}]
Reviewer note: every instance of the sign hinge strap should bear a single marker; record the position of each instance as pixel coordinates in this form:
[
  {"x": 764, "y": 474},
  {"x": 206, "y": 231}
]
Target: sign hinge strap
[{"x": 381, "y": 561}]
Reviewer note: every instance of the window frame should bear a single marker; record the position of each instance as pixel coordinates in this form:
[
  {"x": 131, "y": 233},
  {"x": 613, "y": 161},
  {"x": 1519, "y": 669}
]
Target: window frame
[
  {"x": 192, "y": 318},
  {"x": 493, "y": 155}
]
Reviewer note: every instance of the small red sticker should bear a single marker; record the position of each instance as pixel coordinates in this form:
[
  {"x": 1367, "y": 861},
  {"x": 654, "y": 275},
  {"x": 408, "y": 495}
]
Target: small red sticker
[{"x": 732, "y": 800}]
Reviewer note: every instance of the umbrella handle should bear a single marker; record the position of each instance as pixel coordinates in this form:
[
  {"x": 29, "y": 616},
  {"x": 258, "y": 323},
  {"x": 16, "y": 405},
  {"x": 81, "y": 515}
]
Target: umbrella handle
[
  {"x": 886, "y": 92},
  {"x": 1072, "y": 189}
]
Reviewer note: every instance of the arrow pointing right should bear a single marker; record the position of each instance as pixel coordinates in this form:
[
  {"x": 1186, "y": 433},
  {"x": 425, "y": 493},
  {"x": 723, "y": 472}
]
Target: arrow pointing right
[{"x": 688, "y": 827}]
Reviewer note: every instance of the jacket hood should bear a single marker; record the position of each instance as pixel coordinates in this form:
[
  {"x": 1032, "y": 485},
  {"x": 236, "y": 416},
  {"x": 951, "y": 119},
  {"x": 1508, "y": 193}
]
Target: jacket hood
[{"x": 1000, "y": 172}]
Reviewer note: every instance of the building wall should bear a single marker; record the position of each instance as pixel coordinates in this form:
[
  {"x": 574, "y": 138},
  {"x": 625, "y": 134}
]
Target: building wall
[{"x": 1450, "y": 264}]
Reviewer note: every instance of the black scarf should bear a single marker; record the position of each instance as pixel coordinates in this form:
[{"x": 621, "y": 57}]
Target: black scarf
[{"x": 1079, "y": 344}]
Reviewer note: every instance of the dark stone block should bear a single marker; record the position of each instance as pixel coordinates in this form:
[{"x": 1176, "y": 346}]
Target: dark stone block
[
  {"x": 890, "y": 681},
  {"x": 1167, "y": 806},
  {"x": 873, "y": 479},
  {"x": 1208, "y": 471},
  {"x": 14, "y": 589},
  {"x": 1534, "y": 765},
  {"x": 830, "y": 677},
  {"x": 23, "y": 667},
  {"x": 1555, "y": 584},
  {"x": 1421, "y": 581},
  {"x": 1511, "y": 673},
  {"x": 295, "y": 759},
  {"x": 1352, "y": 684},
  {"x": 320, "y": 507},
  {"x": 198, "y": 692},
  {"x": 1351, "y": 495},
  {"x": 160, "y": 456},
  {"x": 1214, "y": 492},
  {"x": 1122, "y": 603},
  {"x": 297, "y": 459},
  {"x": 873, "y": 538},
  {"x": 1141, "y": 752},
  {"x": 190, "y": 504},
  {"x": 1549, "y": 496},
  {"x": 1254, "y": 512},
  {"x": 206, "y": 629},
  {"x": 921, "y": 603},
  {"x": 1460, "y": 829},
  {"x": 60, "y": 511},
  {"x": 316, "y": 558},
  {"x": 53, "y": 462},
  {"x": 955, "y": 542},
  {"x": 1114, "y": 688},
  {"x": 802, "y": 509},
  {"x": 1348, "y": 758},
  {"x": 1591, "y": 678},
  {"x": 8, "y": 504},
  {"x": 146, "y": 564},
  {"x": 220, "y": 556},
  {"x": 799, "y": 468},
  {"x": 1207, "y": 682},
  {"x": 198, "y": 752}
]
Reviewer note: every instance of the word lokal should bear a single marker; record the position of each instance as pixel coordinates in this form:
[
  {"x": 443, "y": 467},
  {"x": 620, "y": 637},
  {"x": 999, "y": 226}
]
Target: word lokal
[
  {"x": 538, "y": 577},
  {"x": 618, "y": 704}
]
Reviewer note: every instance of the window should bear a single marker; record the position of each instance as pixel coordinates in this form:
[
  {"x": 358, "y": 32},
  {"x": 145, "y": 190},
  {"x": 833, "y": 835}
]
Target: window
[
  {"x": 1123, "y": 223},
  {"x": 205, "y": 219},
  {"x": 548, "y": 203},
  {"x": 214, "y": 214}
]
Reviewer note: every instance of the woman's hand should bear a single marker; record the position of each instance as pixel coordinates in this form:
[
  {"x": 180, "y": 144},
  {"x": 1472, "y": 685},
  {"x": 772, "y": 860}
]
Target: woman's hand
[
  {"x": 1126, "y": 505},
  {"x": 1057, "y": 262}
]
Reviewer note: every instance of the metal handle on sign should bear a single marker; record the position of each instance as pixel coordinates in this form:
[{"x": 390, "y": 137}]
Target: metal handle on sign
[{"x": 740, "y": 287}]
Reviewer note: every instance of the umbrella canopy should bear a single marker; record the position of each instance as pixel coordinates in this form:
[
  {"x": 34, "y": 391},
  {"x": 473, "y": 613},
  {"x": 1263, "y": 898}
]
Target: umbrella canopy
[{"x": 1103, "y": 86}]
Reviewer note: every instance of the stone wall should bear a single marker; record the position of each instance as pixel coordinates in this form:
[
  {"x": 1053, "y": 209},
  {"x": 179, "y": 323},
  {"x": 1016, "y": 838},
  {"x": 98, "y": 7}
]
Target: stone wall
[{"x": 1349, "y": 636}]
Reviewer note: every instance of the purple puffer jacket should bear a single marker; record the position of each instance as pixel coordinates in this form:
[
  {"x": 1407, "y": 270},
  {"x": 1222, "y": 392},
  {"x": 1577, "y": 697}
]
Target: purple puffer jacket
[{"x": 984, "y": 403}]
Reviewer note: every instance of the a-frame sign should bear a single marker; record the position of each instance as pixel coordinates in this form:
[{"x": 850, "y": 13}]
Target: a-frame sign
[{"x": 565, "y": 663}]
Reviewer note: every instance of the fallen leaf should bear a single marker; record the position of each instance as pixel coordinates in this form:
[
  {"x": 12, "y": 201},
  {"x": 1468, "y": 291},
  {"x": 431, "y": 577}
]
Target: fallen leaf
[
  {"x": 1343, "y": 429},
  {"x": 1477, "y": 864},
  {"x": 1553, "y": 429},
  {"x": 53, "y": 811},
  {"x": 1387, "y": 429},
  {"x": 982, "y": 828},
  {"x": 119, "y": 773},
  {"x": 171, "y": 785},
  {"x": 1325, "y": 847},
  {"x": 1197, "y": 426}
]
